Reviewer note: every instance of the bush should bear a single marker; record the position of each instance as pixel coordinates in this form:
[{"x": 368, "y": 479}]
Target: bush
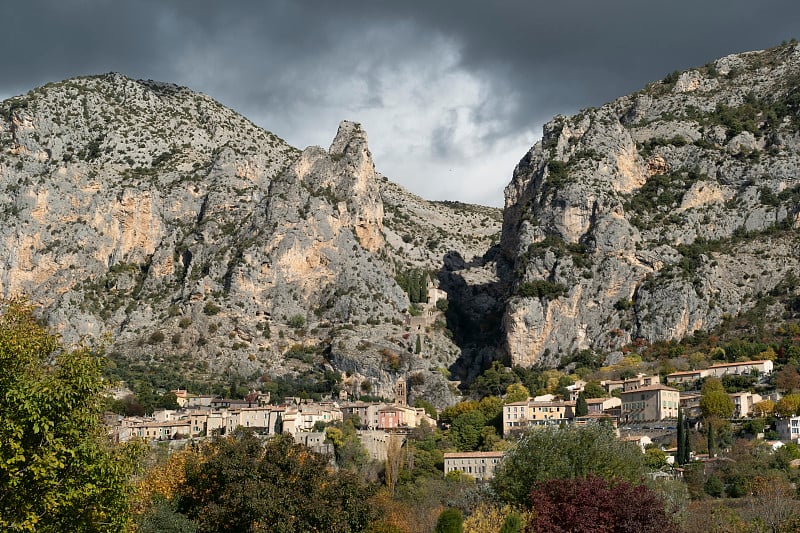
[
  {"x": 211, "y": 309},
  {"x": 297, "y": 321},
  {"x": 541, "y": 289},
  {"x": 591, "y": 504},
  {"x": 450, "y": 521}
]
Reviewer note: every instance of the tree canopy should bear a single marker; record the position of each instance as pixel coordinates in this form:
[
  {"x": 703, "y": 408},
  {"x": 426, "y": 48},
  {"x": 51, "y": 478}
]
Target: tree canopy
[
  {"x": 242, "y": 484},
  {"x": 564, "y": 453},
  {"x": 58, "y": 472},
  {"x": 714, "y": 401},
  {"x": 596, "y": 505}
]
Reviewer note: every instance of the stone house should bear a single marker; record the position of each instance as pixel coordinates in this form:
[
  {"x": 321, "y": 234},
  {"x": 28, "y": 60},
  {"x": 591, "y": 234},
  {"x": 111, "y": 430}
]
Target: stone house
[
  {"x": 789, "y": 429},
  {"x": 520, "y": 415},
  {"x": 480, "y": 465},
  {"x": 646, "y": 404}
]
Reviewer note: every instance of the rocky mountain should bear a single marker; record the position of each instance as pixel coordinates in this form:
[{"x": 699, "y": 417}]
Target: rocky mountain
[
  {"x": 205, "y": 246},
  {"x": 659, "y": 214},
  {"x": 199, "y": 242}
]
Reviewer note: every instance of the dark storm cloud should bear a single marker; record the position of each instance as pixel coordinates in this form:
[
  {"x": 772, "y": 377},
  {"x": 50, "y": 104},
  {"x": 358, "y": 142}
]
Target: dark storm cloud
[{"x": 437, "y": 84}]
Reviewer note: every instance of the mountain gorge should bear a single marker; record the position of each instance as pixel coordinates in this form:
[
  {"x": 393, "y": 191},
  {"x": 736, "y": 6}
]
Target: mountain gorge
[{"x": 205, "y": 246}]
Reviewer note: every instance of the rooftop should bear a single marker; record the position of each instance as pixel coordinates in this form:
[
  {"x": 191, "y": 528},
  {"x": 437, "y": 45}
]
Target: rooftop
[
  {"x": 472, "y": 455},
  {"x": 657, "y": 386}
]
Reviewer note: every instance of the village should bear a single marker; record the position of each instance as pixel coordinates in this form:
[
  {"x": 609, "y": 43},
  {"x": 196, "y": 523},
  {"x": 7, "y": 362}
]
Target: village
[{"x": 641, "y": 409}]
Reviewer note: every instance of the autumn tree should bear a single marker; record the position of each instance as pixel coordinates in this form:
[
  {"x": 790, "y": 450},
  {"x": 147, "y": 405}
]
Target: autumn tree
[
  {"x": 596, "y": 505},
  {"x": 564, "y": 453},
  {"x": 763, "y": 408},
  {"x": 58, "y": 471},
  {"x": 394, "y": 462},
  {"x": 516, "y": 392},
  {"x": 772, "y": 504},
  {"x": 789, "y": 405},
  {"x": 787, "y": 379},
  {"x": 347, "y": 448},
  {"x": 488, "y": 517}
]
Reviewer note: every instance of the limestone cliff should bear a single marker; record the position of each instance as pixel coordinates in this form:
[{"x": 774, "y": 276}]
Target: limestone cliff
[
  {"x": 658, "y": 214},
  {"x": 202, "y": 242}
]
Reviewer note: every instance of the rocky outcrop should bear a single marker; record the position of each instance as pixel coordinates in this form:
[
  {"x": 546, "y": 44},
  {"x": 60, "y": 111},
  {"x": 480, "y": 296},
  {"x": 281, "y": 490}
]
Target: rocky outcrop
[
  {"x": 658, "y": 214},
  {"x": 199, "y": 241}
]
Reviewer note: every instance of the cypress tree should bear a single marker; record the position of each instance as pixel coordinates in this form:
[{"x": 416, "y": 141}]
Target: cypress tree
[
  {"x": 687, "y": 446},
  {"x": 712, "y": 443},
  {"x": 413, "y": 289},
  {"x": 581, "y": 407},
  {"x": 680, "y": 457}
]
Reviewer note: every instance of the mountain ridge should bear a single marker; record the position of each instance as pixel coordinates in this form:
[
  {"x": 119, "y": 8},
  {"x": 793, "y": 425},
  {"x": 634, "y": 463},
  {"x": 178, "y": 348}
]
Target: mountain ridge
[
  {"x": 631, "y": 220},
  {"x": 197, "y": 238},
  {"x": 207, "y": 244}
]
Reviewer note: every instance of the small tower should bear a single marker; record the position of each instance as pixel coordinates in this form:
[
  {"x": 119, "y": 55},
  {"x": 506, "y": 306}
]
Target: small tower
[{"x": 400, "y": 392}]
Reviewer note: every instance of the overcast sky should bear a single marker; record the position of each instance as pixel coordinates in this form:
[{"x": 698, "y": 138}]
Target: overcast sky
[{"x": 451, "y": 93}]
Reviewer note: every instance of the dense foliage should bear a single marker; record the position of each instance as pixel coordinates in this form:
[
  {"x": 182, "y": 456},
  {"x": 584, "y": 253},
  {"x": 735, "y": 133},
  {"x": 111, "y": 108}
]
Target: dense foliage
[
  {"x": 58, "y": 472},
  {"x": 243, "y": 484},
  {"x": 565, "y": 453},
  {"x": 596, "y": 505}
]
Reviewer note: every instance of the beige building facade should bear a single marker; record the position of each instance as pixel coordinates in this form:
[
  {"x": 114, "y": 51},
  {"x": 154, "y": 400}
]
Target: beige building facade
[
  {"x": 647, "y": 404},
  {"x": 480, "y": 465}
]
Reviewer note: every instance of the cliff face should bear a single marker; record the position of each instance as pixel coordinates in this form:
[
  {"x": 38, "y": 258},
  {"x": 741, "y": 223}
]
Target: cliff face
[
  {"x": 198, "y": 240},
  {"x": 658, "y": 214}
]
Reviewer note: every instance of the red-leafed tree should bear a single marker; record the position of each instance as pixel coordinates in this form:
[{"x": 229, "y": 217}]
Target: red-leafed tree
[{"x": 595, "y": 505}]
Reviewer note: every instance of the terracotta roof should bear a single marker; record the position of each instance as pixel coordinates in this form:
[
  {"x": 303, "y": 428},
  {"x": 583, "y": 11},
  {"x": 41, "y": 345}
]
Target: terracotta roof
[
  {"x": 745, "y": 363},
  {"x": 657, "y": 386},
  {"x": 470, "y": 455},
  {"x": 686, "y": 372}
]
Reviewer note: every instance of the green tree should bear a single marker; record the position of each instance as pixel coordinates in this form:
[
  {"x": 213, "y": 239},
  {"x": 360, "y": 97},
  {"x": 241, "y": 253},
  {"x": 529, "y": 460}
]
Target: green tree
[
  {"x": 450, "y": 521},
  {"x": 714, "y": 401},
  {"x": 348, "y": 450},
  {"x": 242, "y": 484},
  {"x": 297, "y": 321},
  {"x": 465, "y": 432},
  {"x": 58, "y": 472},
  {"x": 512, "y": 523},
  {"x": 594, "y": 390},
  {"x": 494, "y": 380},
  {"x": 711, "y": 439},
  {"x": 682, "y": 456},
  {"x": 563, "y": 453},
  {"x": 430, "y": 409},
  {"x": 655, "y": 458},
  {"x": 581, "y": 407},
  {"x": 714, "y": 486}
]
